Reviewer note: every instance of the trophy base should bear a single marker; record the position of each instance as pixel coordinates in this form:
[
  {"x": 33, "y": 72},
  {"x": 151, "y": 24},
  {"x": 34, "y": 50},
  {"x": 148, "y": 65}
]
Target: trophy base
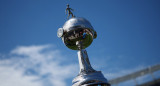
[{"x": 90, "y": 79}]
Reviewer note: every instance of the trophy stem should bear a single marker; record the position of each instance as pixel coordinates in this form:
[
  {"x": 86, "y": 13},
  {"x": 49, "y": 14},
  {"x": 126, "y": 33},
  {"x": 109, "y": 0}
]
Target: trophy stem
[
  {"x": 85, "y": 66},
  {"x": 87, "y": 76}
]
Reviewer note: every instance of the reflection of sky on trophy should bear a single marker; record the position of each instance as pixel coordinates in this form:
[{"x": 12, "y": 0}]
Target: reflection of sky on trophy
[{"x": 31, "y": 54}]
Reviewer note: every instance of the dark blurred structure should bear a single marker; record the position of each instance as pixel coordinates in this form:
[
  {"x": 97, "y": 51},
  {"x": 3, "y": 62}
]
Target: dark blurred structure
[
  {"x": 133, "y": 76},
  {"x": 152, "y": 83}
]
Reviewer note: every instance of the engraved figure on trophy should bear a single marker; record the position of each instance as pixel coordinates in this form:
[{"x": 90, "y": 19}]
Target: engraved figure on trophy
[
  {"x": 68, "y": 9},
  {"x": 77, "y": 34}
]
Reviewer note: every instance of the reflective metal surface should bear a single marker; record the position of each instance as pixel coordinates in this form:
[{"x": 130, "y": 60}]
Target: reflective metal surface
[
  {"x": 74, "y": 23},
  {"x": 60, "y": 32},
  {"x": 85, "y": 66},
  {"x": 76, "y": 29},
  {"x": 90, "y": 79}
]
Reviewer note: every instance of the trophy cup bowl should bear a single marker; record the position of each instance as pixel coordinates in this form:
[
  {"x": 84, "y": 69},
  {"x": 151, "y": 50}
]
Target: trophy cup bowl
[{"x": 77, "y": 29}]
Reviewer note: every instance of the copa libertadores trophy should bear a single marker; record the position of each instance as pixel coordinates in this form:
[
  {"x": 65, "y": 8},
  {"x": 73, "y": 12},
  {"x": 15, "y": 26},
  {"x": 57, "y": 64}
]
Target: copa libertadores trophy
[{"x": 77, "y": 34}]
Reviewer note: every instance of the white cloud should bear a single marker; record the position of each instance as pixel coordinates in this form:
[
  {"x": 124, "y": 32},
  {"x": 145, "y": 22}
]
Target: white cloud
[
  {"x": 43, "y": 65},
  {"x": 35, "y": 66},
  {"x": 11, "y": 77}
]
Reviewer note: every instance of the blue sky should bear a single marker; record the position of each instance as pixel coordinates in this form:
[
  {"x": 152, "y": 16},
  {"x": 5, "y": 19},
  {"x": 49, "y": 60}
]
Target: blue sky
[{"x": 30, "y": 51}]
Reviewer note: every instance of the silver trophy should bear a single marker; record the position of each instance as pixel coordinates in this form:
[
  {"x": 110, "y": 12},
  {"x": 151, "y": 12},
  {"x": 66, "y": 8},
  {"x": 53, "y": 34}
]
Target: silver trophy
[{"x": 78, "y": 34}]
